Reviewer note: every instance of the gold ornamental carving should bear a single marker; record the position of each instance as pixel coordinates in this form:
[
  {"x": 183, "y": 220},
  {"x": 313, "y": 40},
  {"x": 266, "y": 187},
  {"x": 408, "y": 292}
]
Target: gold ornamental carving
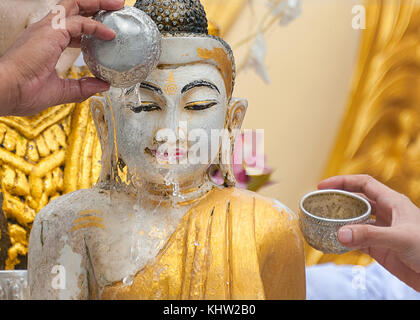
[
  {"x": 41, "y": 158},
  {"x": 380, "y": 134}
]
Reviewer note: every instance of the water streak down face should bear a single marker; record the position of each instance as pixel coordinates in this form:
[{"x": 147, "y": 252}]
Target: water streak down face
[{"x": 176, "y": 127}]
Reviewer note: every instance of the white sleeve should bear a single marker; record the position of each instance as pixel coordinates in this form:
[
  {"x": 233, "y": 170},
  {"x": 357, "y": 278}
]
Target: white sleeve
[{"x": 349, "y": 282}]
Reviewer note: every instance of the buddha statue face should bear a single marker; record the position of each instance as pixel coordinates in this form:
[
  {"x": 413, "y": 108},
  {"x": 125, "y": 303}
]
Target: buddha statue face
[
  {"x": 186, "y": 119},
  {"x": 176, "y": 131}
]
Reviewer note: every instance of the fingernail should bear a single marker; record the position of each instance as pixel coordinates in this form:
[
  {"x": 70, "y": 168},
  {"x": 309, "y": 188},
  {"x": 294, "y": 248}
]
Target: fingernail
[{"x": 345, "y": 235}]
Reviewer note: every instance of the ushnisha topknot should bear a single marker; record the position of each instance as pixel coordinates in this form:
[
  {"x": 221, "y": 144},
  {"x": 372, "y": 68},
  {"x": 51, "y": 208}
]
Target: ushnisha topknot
[{"x": 176, "y": 16}]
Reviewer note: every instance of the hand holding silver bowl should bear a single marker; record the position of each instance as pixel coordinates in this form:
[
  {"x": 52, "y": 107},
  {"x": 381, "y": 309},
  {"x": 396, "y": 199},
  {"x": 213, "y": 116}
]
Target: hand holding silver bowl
[
  {"x": 324, "y": 212},
  {"x": 134, "y": 52}
]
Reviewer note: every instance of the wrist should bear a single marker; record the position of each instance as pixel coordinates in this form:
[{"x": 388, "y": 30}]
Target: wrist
[{"x": 9, "y": 89}]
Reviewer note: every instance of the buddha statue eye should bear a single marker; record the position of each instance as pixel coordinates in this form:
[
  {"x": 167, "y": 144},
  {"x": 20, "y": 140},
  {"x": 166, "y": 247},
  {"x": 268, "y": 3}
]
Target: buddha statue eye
[
  {"x": 200, "y": 105},
  {"x": 146, "y": 107}
]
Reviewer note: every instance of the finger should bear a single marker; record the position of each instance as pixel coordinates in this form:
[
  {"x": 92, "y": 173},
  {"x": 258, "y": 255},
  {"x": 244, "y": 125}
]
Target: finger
[
  {"x": 365, "y": 236},
  {"x": 392, "y": 262},
  {"x": 365, "y": 184},
  {"x": 381, "y": 220},
  {"x": 77, "y": 25},
  {"x": 89, "y": 7},
  {"x": 371, "y": 202},
  {"x": 386, "y": 199},
  {"x": 374, "y": 221},
  {"x": 80, "y": 90}
]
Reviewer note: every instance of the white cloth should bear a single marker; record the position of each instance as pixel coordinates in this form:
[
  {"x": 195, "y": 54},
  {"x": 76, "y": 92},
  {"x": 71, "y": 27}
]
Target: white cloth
[{"x": 345, "y": 282}]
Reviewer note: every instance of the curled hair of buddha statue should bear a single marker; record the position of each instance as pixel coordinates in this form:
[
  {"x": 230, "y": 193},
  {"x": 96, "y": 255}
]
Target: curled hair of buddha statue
[{"x": 176, "y": 16}]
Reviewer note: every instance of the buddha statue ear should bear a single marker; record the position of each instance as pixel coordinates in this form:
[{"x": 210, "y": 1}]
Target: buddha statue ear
[
  {"x": 234, "y": 118},
  {"x": 98, "y": 110}
]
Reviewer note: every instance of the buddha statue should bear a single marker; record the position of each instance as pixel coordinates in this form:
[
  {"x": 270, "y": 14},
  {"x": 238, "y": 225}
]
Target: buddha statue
[{"x": 155, "y": 226}]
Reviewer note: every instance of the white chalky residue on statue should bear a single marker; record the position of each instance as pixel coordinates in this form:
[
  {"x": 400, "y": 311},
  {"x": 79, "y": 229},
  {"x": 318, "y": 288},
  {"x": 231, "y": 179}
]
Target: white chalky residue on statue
[{"x": 70, "y": 261}]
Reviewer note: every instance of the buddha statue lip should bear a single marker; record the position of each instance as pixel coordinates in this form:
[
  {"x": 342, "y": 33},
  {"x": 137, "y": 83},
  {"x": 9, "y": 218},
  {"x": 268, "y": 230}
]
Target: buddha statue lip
[{"x": 168, "y": 155}]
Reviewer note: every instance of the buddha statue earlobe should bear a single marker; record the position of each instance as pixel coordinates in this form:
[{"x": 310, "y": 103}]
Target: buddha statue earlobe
[
  {"x": 234, "y": 118},
  {"x": 98, "y": 109}
]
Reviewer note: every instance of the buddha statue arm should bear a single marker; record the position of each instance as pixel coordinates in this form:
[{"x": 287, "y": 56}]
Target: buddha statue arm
[
  {"x": 281, "y": 254},
  {"x": 56, "y": 261}
]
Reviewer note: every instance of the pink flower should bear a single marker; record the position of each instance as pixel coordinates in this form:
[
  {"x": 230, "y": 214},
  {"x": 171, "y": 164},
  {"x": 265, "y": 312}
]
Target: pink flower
[{"x": 248, "y": 162}]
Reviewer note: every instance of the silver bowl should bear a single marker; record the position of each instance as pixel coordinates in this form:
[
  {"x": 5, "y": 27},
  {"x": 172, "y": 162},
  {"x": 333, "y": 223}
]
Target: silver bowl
[
  {"x": 134, "y": 52},
  {"x": 13, "y": 285},
  {"x": 322, "y": 213}
]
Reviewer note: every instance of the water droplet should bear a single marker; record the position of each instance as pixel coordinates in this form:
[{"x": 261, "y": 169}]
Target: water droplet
[
  {"x": 137, "y": 94},
  {"x": 128, "y": 281},
  {"x": 176, "y": 190}
]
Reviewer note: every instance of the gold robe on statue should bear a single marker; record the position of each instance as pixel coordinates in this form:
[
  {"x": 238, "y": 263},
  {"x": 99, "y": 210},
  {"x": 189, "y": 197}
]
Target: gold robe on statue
[{"x": 234, "y": 244}]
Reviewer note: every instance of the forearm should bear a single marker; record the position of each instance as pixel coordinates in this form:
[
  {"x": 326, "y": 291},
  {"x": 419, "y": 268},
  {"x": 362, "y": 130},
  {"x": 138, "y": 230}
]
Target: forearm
[{"x": 9, "y": 90}]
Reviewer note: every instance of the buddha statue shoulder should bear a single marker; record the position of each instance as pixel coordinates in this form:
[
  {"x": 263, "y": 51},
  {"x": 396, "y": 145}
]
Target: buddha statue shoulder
[{"x": 155, "y": 226}]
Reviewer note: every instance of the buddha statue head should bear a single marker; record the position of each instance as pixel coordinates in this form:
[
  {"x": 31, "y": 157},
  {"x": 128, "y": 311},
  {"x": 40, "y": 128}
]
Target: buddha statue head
[{"x": 186, "y": 119}]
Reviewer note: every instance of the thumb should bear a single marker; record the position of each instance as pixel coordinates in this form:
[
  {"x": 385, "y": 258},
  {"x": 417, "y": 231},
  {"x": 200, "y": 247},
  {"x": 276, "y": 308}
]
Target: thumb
[
  {"x": 364, "y": 236},
  {"x": 80, "y": 90}
]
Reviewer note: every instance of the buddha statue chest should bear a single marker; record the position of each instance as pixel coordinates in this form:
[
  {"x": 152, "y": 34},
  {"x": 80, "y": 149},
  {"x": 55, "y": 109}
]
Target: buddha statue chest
[{"x": 117, "y": 235}]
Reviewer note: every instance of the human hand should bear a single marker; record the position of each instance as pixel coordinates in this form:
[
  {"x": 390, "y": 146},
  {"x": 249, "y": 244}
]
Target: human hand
[
  {"x": 29, "y": 82},
  {"x": 393, "y": 240}
]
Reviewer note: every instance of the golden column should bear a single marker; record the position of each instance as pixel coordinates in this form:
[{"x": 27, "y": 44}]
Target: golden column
[{"x": 380, "y": 134}]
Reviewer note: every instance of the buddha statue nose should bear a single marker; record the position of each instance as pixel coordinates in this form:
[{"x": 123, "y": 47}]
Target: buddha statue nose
[{"x": 172, "y": 136}]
